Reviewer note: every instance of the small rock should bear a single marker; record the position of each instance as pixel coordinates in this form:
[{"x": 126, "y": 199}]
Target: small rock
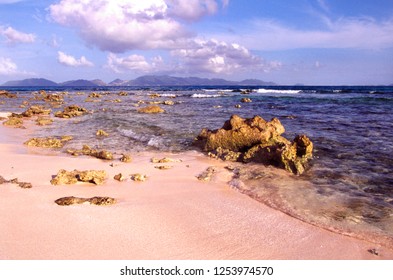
[
  {"x": 207, "y": 174},
  {"x": 163, "y": 167},
  {"x": 245, "y": 100},
  {"x": 101, "y": 132},
  {"x": 97, "y": 200},
  {"x": 373, "y": 251},
  {"x": 125, "y": 158},
  {"x": 138, "y": 177},
  {"x": 164, "y": 160},
  {"x": 119, "y": 177},
  {"x": 238, "y": 106}
]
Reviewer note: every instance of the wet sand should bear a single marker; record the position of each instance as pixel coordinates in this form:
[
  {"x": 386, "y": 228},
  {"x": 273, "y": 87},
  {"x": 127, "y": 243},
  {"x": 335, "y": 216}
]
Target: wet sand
[{"x": 172, "y": 215}]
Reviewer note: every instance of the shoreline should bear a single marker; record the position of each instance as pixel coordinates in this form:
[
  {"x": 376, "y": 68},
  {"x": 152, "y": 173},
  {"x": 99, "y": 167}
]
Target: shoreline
[{"x": 172, "y": 215}]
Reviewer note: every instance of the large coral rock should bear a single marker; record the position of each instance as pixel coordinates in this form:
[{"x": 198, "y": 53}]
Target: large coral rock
[
  {"x": 65, "y": 177},
  {"x": 88, "y": 151},
  {"x": 36, "y": 110},
  {"x": 257, "y": 140},
  {"x": 71, "y": 111},
  {"x": 96, "y": 200}
]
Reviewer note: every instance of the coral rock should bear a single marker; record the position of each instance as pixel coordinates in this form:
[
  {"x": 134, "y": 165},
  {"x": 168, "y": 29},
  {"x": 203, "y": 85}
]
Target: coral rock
[
  {"x": 97, "y": 200},
  {"x": 48, "y": 142},
  {"x": 138, "y": 177},
  {"x": 64, "y": 177},
  {"x": 71, "y": 111},
  {"x": 101, "y": 132},
  {"x": 153, "y": 109}
]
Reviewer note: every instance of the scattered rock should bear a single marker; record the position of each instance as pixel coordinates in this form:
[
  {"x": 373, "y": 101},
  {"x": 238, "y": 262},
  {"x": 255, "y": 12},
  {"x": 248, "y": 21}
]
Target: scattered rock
[
  {"x": 238, "y": 106},
  {"x": 138, "y": 177},
  {"x": 169, "y": 102},
  {"x": 123, "y": 93},
  {"x": 14, "y": 122},
  {"x": 48, "y": 142},
  {"x": 43, "y": 121},
  {"x": 154, "y": 95},
  {"x": 36, "y": 110},
  {"x": 95, "y": 95},
  {"x": 71, "y": 111},
  {"x": 101, "y": 132},
  {"x": 64, "y": 177},
  {"x": 7, "y": 94},
  {"x": 153, "y": 109},
  {"x": 163, "y": 167},
  {"x": 23, "y": 185},
  {"x": 119, "y": 177},
  {"x": 97, "y": 200},
  {"x": 125, "y": 158},
  {"x": 164, "y": 160},
  {"x": 207, "y": 174},
  {"x": 256, "y": 140},
  {"x": 246, "y": 100},
  {"x": 88, "y": 151}
]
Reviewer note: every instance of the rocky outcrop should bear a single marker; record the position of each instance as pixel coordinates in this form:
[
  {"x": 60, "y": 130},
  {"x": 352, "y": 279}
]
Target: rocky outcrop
[
  {"x": 41, "y": 121},
  {"x": 36, "y": 110},
  {"x": 14, "y": 122},
  {"x": 97, "y": 200},
  {"x": 71, "y": 111},
  {"x": 64, "y": 177},
  {"x": 153, "y": 109},
  {"x": 48, "y": 142},
  {"x": 257, "y": 140}
]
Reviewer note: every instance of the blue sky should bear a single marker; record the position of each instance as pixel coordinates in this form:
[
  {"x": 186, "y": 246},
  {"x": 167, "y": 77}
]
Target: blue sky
[{"x": 313, "y": 42}]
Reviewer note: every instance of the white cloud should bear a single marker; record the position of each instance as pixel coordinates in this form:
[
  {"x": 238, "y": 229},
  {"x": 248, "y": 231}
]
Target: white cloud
[
  {"x": 134, "y": 63},
  {"x": 220, "y": 58},
  {"x": 121, "y": 25},
  {"x": 355, "y": 33},
  {"x": 69, "y": 60},
  {"x": 14, "y": 36},
  {"x": 7, "y": 66}
]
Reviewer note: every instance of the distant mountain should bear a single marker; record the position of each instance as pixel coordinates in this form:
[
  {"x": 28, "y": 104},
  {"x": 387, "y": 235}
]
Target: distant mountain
[
  {"x": 143, "y": 81},
  {"x": 152, "y": 80},
  {"x": 30, "y": 83},
  {"x": 117, "y": 82},
  {"x": 83, "y": 83}
]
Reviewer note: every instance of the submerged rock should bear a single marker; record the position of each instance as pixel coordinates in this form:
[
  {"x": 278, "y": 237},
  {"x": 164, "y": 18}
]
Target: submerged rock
[
  {"x": 71, "y": 111},
  {"x": 48, "y": 142},
  {"x": 257, "y": 140},
  {"x": 97, "y": 200},
  {"x": 246, "y": 100},
  {"x": 64, "y": 177},
  {"x": 153, "y": 109},
  {"x": 101, "y": 132}
]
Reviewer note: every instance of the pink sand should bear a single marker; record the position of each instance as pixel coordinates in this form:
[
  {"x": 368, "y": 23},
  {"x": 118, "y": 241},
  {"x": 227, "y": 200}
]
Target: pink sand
[{"x": 170, "y": 216}]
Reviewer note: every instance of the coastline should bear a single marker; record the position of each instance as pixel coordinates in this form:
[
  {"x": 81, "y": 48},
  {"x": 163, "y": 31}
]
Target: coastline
[{"x": 172, "y": 215}]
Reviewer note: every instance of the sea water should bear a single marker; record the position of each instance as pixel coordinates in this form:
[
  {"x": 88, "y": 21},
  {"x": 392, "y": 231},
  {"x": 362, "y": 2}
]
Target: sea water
[{"x": 348, "y": 187}]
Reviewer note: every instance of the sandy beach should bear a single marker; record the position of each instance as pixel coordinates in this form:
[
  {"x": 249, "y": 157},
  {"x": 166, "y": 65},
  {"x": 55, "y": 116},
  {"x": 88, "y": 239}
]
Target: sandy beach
[{"x": 172, "y": 215}]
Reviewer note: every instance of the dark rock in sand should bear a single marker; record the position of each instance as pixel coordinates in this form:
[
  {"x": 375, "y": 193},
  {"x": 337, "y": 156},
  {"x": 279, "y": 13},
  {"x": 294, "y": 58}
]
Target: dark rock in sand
[
  {"x": 207, "y": 174},
  {"x": 256, "y": 140},
  {"x": 97, "y": 200},
  {"x": 64, "y": 177}
]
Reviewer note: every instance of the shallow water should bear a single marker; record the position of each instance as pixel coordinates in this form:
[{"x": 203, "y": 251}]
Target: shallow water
[{"x": 349, "y": 186}]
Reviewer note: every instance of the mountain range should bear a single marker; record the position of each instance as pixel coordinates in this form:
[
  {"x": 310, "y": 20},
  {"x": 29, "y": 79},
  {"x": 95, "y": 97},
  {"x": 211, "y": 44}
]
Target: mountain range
[{"x": 149, "y": 80}]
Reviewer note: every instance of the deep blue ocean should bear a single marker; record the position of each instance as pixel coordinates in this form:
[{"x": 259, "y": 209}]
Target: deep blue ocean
[{"x": 349, "y": 185}]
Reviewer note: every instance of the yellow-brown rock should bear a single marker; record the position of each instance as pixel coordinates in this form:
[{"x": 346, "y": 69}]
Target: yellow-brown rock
[
  {"x": 153, "y": 109},
  {"x": 96, "y": 200},
  {"x": 64, "y": 177}
]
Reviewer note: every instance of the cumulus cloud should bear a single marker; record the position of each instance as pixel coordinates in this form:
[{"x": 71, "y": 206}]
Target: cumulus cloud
[
  {"x": 121, "y": 25},
  {"x": 219, "y": 57},
  {"x": 355, "y": 33},
  {"x": 69, "y": 60},
  {"x": 7, "y": 66},
  {"x": 134, "y": 63},
  {"x": 14, "y": 36}
]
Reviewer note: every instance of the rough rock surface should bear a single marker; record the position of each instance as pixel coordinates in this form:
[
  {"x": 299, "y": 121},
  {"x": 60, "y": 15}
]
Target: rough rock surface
[
  {"x": 13, "y": 121},
  {"x": 88, "y": 151},
  {"x": 257, "y": 140},
  {"x": 138, "y": 177},
  {"x": 153, "y": 109},
  {"x": 71, "y": 111},
  {"x": 97, "y": 200},
  {"x": 48, "y": 142},
  {"x": 36, "y": 110},
  {"x": 207, "y": 174},
  {"x": 65, "y": 177},
  {"x": 23, "y": 185}
]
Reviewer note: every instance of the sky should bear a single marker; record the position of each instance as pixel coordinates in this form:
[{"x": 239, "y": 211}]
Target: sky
[{"x": 311, "y": 42}]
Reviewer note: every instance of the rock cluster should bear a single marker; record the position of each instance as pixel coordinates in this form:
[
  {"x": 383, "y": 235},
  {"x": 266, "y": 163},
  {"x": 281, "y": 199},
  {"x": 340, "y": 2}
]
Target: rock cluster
[
  {"x": 23, "y": 185},
  {"x": 65, "y": 177},
  {"x": 88, "y": 151},
  {"x": 4, "y": 93},
  {"x": 48, "y": 142},
  {"x": 97, "y": 200},
  {"x": 71, "y": 111},
  {"x": 257, "y": 140}
]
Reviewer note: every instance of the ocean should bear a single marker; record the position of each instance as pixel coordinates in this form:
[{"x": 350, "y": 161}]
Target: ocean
[{"x": 348, "y": 187}]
